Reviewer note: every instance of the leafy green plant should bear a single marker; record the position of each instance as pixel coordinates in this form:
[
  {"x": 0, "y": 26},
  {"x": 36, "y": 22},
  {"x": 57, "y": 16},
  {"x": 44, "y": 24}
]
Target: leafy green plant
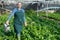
[{"x": 38, "y": 28}]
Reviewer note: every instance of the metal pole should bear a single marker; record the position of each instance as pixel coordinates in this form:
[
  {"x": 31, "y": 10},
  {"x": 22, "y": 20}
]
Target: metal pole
[
  {"x": 37, "y": 8},
  {"x": 47, "y": 11}
]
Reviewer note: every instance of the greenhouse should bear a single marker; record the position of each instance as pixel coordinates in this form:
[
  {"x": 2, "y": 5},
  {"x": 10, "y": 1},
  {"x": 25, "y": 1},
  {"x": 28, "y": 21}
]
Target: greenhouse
[{"x": 34, "y": 19}]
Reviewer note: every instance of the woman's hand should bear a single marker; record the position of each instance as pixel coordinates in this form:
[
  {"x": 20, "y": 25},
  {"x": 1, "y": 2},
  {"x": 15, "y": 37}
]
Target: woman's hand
[
  {"x": 7, "y": 22},
  {"x": 25, "y": 24}
]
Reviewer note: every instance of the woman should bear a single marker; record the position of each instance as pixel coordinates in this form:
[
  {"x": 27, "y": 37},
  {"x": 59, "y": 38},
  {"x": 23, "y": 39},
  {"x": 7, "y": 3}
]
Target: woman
[{"x": 19, "y": 19}]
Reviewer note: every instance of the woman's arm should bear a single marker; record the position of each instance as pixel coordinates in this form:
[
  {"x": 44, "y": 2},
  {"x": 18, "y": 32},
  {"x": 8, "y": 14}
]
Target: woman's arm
[
  {"x": 24, "y": 19},
  {"x": 11, "y": 14}
]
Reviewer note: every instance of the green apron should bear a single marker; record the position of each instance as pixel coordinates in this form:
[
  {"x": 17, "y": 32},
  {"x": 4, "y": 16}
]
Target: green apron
[{"x": 18, "y": 21}]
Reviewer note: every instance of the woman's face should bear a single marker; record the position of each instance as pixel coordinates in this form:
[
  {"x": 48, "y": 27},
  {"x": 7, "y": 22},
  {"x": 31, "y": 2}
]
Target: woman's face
[{"x": 19, "y": 5}]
